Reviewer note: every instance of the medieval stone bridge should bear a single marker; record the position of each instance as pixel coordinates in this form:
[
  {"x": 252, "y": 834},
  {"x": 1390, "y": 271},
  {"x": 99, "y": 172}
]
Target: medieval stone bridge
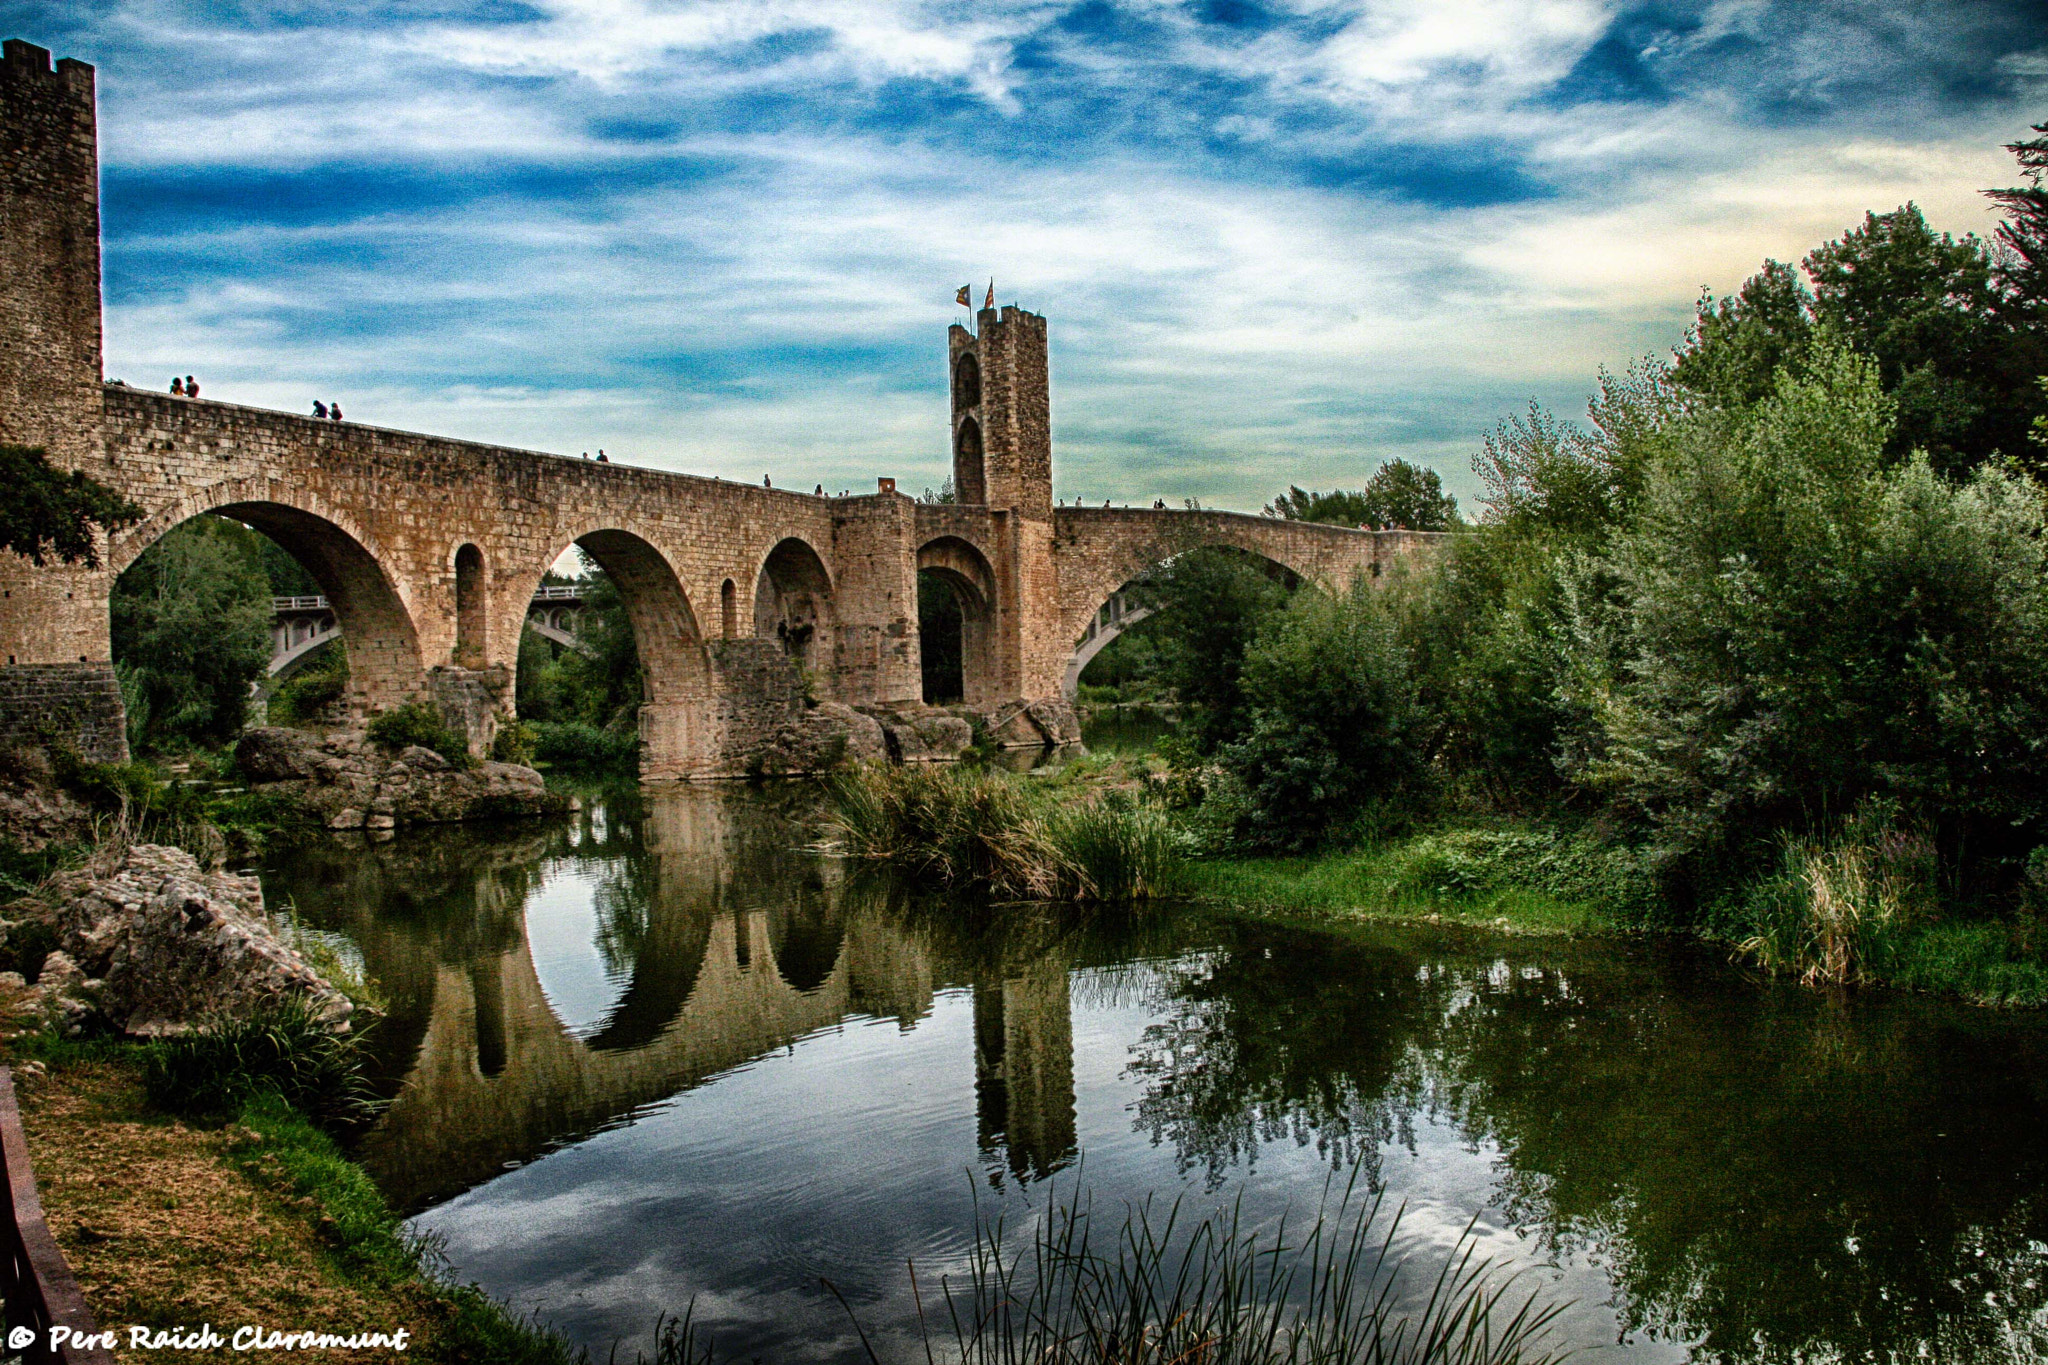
[{"x": 430, "y": 549}]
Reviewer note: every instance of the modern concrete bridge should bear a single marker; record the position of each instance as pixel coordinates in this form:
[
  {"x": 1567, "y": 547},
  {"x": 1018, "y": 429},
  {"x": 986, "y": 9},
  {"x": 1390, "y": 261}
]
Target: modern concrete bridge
[
  {"x": 300, "y": 625},
  {"x": 430, "y": 550}
]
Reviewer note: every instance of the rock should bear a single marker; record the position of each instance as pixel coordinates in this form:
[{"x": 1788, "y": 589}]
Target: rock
[
  {"x": 917, "y": 733},
  {"x": 171, "y": 945},
  {"x": 347, "y": 783},
  {"x": 1048, "y": 721},
  {"x": 272, "y": 753},
  {"x": 822, "y": 738}
]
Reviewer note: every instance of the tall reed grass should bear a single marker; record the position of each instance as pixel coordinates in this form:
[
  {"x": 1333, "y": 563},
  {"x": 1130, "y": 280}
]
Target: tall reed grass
[
  {"x": 1165, "y": 1288},
  {"x": 285, "y": 1051},
  {"x": 1168, "y": 1291},
  {"x": 984, "y": 830}
]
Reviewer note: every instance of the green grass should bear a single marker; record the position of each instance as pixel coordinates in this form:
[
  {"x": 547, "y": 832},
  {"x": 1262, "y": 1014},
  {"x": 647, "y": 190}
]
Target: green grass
[
  {"x": 370, "y": 1244},
  {"x": 1434, "y": 877}
]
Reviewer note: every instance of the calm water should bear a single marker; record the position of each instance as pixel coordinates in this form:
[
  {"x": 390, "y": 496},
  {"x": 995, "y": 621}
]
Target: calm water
[{"x": 658, "y": 1053}]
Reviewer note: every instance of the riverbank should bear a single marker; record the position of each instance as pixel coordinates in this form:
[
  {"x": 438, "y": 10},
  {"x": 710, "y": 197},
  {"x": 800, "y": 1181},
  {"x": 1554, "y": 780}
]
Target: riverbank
[{"x": 260, "y": 1221}]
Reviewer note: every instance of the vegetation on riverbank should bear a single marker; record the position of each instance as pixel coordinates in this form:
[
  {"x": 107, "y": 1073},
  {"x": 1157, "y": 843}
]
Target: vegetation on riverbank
[
  {"x": 971, "y": 828},
  {"x": 1770, "y": 632},
  {"x": 251, "y": 1213}
]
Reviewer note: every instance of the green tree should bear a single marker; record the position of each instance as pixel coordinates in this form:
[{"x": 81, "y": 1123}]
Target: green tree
[
  {"x": 1956, "y": 347},
  {"x": 1334, "y": 727},
  {"x": 1398, "y": 494},
  {"x": 1210, "y": 602},
  {"x": 1801, "y": 624},
  {"x": 599, "y": 684},
  {"x": 49, "y": 513},
  {"x": 191, "y": 628},
  {"x": 2024, "y": 233}
]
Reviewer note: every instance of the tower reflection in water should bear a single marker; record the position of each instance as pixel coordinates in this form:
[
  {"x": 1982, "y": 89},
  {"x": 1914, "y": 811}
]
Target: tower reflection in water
[{"x": 719, "y": 937}]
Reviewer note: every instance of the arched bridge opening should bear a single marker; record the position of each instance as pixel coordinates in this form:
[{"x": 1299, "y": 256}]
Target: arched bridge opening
[
  {"x": 956, "y": 615},
  {"x": 196, "y": 622},
  {"x": 793, "y": 606},
  {"x": 1217, "y": 582}
]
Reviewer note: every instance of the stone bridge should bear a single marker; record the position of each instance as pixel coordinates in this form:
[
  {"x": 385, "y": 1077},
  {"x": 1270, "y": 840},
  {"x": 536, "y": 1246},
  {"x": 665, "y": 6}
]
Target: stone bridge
[{"x": 430, "y": 549}]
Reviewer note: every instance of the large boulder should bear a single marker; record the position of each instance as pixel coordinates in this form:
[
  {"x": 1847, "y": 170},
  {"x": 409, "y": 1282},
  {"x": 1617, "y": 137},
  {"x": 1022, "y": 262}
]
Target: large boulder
[
  {"x": 347, "y": 782},
  {"x": 159, "y": 945},
  {"x": 821, "y": 738},
  {"x": 917, "y": 733}
]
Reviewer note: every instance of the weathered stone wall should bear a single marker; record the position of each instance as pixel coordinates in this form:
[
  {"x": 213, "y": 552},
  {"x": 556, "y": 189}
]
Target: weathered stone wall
[{"x": 75, "y": 706}]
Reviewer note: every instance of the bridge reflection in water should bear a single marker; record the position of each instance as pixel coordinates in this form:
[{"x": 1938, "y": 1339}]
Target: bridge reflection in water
[{"x": 721, "y": 940}]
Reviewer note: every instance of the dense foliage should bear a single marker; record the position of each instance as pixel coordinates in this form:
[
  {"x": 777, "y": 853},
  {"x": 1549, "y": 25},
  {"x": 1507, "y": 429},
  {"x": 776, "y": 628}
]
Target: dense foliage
[
  {"x": 1399, "y": 495},
  {"x": 191, "y": 626},
  {"x": 1772, "y": 624},
  {"x": 583, "y": 704},
  {"x": 53, "y": 514}
]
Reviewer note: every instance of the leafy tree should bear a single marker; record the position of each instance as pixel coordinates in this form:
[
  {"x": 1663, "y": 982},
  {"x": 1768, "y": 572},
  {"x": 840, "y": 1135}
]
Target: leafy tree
[
  {"x": 1801, "y": 625},
  {"x": 1956, "y": 348},
  {"x": 1738, "y": 344},
  {"x": 1210, "y": 604},
  {"x": 2024, "y": 233},
  {"x": 598, "y": 685},
  {"x": 191, "y": 627},
  {"x": 49, "y": 513},
  {"x": 1334, "y": 726},
  {"x": 1398, "y": 494}
]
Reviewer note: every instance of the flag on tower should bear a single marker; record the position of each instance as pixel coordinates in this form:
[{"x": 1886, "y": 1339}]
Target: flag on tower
[
  {"x": 965, "y": 298},
  {"x": 990, "y": 302}
]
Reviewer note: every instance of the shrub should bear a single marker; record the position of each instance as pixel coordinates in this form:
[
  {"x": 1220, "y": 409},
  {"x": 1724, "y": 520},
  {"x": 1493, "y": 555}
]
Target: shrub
[
  {"x": 420, "y": 723},
  {"x": 310, "y": 693},
  {"x": 980, "y": 829},
  {"x": 226, "y": 1062},
  {"x": 575, "y": 744},
  {"x": 515, "y": 743},
  {"x": 1334, "y": 722}
]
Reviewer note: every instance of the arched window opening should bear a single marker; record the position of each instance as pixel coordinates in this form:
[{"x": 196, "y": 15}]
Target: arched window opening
[
  {"x": 729, "y": 610},
  {"x": 967, "y": 383},
  {"x": 470, "y": 611},
  {"x": 969, "y": 485}
]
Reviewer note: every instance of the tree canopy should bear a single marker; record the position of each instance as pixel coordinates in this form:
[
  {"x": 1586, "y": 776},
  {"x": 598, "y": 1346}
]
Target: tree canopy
[
  {"x": 1398, "y": 494},
  {"x": 51, "y": 513}
]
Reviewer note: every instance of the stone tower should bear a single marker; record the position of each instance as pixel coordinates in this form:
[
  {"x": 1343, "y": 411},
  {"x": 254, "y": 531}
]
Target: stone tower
[
  {"x": 1002, "y": 413},
  {"x": 1002, "y": 460},
  {"x": 56, "y": 675}
]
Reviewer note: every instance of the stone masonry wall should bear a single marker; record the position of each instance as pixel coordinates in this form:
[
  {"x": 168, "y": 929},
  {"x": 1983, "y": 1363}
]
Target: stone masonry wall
[{"x": 78, "y": 706}]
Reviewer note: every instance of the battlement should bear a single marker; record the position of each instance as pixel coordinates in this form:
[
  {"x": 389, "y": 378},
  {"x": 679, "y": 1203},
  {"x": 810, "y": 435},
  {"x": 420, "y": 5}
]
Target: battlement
[{"x": 23, "y": 61}]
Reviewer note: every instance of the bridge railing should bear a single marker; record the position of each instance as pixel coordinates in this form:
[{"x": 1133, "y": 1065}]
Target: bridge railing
[
  {"x": 557, "y": 593},
  {"x": 299, "y": 604}
]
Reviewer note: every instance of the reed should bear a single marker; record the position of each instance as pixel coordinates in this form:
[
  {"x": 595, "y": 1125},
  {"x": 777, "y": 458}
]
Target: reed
[
  {"x": 978, "y": 829},
  {"x": 285, "y": 1051},
  {"x": 1167, "y": 1291}
]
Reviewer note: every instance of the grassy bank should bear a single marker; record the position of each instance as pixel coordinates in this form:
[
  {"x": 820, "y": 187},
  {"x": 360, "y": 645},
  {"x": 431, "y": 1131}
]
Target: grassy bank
[{"x": 259, "y": 1219}]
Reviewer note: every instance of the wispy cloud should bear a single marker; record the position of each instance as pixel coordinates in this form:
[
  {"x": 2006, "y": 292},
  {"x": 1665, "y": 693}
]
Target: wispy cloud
[{"x": 1278, "y": 240}]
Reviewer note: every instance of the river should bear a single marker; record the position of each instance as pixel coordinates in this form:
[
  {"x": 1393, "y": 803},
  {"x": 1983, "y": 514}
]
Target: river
[{"x": 659, "y": 1054}]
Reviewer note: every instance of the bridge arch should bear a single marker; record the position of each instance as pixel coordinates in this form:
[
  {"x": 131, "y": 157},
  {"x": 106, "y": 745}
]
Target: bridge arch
[
  {"x": 793, "y": 605},
  {"x": 369, "y": 604},
  {"x": 1118, "y": 609},
  {"x": 676, "y": 727},
  {"x": 963, "y": 572}
]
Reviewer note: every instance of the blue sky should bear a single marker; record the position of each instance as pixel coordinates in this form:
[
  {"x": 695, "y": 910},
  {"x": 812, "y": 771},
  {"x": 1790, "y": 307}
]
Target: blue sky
[{"x": 1278, "y": 241}]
